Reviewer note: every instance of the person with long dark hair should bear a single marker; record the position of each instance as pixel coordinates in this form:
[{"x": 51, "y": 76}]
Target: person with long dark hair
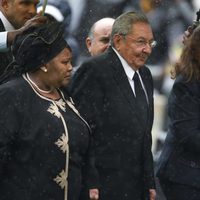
[{"x": 179, "y": 163}]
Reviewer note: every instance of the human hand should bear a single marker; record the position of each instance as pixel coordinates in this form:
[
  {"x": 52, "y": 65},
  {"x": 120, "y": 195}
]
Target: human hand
[
  {"x": 152, "y": 194},
  {"x": 94, "y": 194},
  {"x": 34, "y": 22}
]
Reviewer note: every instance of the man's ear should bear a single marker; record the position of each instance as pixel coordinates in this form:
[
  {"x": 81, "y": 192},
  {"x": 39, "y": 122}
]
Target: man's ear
[
  {"x": 117, "y": 39},
  {"x": 88, "y": 42}
]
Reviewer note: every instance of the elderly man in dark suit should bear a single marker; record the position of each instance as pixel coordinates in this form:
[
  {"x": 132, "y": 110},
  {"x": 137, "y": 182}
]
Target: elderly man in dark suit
[
  {"x": 13, "y": 16},
  {"x": 114, "y": 92}
]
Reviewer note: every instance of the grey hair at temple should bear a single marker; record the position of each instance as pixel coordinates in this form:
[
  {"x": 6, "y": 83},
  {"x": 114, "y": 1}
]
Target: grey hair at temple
[{"x": 123, "y": 24}]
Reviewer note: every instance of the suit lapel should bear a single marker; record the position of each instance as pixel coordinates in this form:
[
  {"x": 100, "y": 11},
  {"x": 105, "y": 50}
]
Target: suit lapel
[
  {"x": 145, "y": 80},
  {"x": 122, "y": 82},
  {"x": 125, "y": 88},
  {"x": 147, "y": 83}
]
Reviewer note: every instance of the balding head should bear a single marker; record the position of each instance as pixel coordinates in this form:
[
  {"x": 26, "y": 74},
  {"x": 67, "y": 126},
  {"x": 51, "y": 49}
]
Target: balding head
[{"x": 99, "y": 36}]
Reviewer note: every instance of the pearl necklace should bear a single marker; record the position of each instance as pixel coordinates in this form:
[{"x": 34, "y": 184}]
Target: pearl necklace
[{"x": 34, "y": 84}]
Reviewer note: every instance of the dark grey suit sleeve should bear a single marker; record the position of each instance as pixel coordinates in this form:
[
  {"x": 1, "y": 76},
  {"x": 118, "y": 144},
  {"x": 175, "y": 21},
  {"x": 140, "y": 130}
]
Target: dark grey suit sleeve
[{"x": 85, "y": 93}]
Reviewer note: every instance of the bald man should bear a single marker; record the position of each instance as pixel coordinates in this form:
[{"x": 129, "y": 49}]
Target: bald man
[{"x": 98, "y": 39}]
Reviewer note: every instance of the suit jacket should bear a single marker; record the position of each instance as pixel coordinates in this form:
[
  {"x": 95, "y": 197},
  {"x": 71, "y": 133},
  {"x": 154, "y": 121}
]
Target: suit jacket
[
  {"x": 5, "y": 57},
  {"x": 122, "y": 138},
  {"x": 180, "y": 158}
]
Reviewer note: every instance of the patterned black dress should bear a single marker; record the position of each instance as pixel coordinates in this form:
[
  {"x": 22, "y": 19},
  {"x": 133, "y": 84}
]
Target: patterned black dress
[{"x": 45, "y": 146}]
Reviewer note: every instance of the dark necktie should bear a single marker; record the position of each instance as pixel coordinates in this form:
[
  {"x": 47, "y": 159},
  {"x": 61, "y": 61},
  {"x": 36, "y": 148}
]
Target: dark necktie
[
  {"x": 140, "y": 94},
  {"x": 139, "y": 91}
]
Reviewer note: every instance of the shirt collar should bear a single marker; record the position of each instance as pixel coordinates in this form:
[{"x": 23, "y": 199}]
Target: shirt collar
[
  {"x": 8, "y": 26},
  {"x": 127, "y": 68}
]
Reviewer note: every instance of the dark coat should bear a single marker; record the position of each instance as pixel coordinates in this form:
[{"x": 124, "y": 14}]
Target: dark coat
[
  {"x": 122, "y": 138},
  {"x": 34, "y": 134},
  {"x": 5, "y": 57},
  {"x": 180, "y": 158}
]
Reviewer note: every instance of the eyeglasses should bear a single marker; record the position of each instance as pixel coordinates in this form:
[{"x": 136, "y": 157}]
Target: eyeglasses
[{"x": 143, "y": 43}]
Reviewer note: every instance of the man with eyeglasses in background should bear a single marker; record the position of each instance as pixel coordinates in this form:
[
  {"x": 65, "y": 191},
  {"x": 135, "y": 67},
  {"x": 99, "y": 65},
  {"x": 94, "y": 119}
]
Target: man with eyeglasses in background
[
  {"x": 15, "y": 17},
  {"x": 114, "y": 93}
]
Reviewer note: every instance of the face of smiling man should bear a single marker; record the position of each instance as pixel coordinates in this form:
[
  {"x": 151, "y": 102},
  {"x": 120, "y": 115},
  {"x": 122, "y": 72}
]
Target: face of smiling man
[
  {"x": 19, "y": 11},
  {"x": 136, "y": 46}
]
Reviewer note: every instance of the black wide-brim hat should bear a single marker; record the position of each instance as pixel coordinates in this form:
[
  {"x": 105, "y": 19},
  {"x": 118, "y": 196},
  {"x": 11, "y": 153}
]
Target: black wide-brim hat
[
  {"x": 37, "y": 46},
  {"x": 33, "y": 48}
]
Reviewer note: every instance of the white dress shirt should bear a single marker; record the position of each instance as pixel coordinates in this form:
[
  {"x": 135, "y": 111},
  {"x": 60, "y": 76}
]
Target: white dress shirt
[
  {"x": 130, "y": 73},
  {"x": 3, "y": 35}
]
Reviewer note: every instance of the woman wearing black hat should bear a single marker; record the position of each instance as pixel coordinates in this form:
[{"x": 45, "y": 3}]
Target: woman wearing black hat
[{"x": 45, "y": 145}]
